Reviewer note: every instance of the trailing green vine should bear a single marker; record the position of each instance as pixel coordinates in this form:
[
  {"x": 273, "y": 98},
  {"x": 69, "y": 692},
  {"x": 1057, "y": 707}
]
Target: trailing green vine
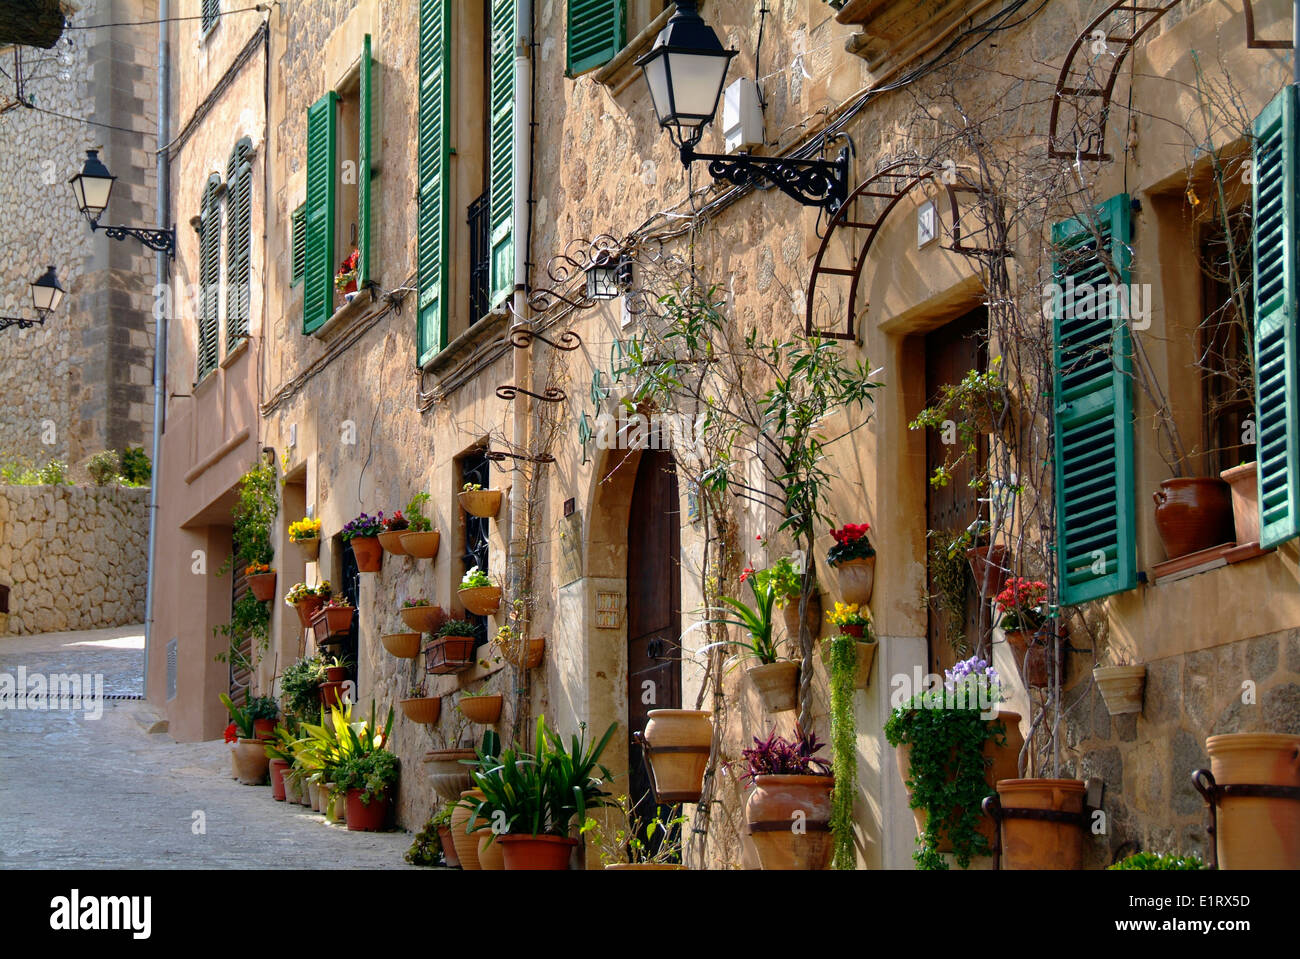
[
  {"x": 254, "y": 512},
  {"x": 844, "y": 751}
]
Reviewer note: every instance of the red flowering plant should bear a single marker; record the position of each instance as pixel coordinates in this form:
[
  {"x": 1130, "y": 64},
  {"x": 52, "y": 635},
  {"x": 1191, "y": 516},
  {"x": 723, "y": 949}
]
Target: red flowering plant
[
  {"x": 850, "y": 543},
  {"x": 1021, "y": 604},
  {"x": 347, "y": 271},
  {"x": 395, "y": 523},
  {"x": 232, "y": 733}
]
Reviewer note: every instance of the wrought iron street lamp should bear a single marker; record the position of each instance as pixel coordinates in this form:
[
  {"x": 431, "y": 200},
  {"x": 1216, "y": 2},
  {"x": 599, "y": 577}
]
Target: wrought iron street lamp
[
  {"x": 686, "y": 70},
  {"x": 47, "y": 294},
  {"x": 92, "y": 187},
  {"x": 608, "y": 275}
]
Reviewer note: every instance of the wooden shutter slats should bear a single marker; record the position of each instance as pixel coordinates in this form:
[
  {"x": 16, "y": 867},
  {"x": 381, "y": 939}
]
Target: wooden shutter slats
[
  {"x": 239, "y": 203},
  {"x": 501, "y": 173},
  {"x": 209, "y": 277},
  {"x": 322, "y": 176},
  {"x": 597, "y": 30},
  {"x": 433, "y": 172},
  {"x": 365, "y": 137}
]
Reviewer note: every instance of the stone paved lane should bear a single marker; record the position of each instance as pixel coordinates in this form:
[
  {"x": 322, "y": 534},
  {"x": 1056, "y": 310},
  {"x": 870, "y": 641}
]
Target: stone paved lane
[{"x": 77, "y": 792}]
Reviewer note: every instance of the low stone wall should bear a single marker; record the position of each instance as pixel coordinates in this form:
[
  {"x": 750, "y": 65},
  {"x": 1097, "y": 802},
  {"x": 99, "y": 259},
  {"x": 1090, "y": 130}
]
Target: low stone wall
[{"x": 74, "y": 557}]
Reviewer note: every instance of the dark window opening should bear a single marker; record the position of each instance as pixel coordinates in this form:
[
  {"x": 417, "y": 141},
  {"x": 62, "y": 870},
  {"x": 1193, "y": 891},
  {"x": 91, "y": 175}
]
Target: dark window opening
[
  {"x": 480, "y": 247},
  {"x": 474, "y": 468},
  {"x": 1225, "y": 347}
]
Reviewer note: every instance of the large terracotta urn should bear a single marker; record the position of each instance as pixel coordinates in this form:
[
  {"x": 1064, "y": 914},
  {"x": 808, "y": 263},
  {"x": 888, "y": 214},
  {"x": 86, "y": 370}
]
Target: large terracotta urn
[
  {"x": 1041, "y": 843},
  {"x": 466, "y": 843},
  {"x": 1193, "y": 514},
  {"x": 251, "y": 761},
  {"x": 1256, "y": 832},
  {"x": 771, "y": 812},
  {"x": 448, "y": 774},
  {"x": 677, "y": 743}
]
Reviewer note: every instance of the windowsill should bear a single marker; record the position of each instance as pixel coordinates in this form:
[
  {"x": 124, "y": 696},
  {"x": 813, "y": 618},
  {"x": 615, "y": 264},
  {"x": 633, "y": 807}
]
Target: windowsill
[
  {"x": 1215, "y": 557},
  {"x": 620, "y": 72},
  {"x": 235, "y": 353},
  {"x": 485, "y": 329},
  {"x": 345, "y": 316},
  {"x": 204, "y": 383}
]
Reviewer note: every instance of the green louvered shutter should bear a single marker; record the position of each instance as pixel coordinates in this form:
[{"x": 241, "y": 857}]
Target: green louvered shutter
[
  {"x": 239, "y": 242},
  {"x": 597, "y": 31},
  {"x": 299, "y": 245},
  {"x": 433, "y": 172},
  {"x": 1096, "y": 542},
  {"x": 322, "y": 177},
  {"x": 209, "y": 276},
  {"x": 211, "y": 11},
  {"x": 1277, "y": 369},
  {"x": 501, "y": 172},
  {"x": 364, "y": 123}
]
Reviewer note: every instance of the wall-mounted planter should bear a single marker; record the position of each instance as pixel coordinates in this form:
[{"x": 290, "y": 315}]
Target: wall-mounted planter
[
  {"x": 450, "y": 777},
  {"x": 1193, "y": 514},
  {"x": 775, "y": 803},
  {"x": 484, "y": 710},
  {"x": 1121, "y": 687},
  {"x": 308, "y": 608},
  {"x": 332, "y": 621},
  {"x": 310, "y": 548},
  {"x": 392, "y": 542},
  {"x": 450, "y": 654},
  {"x": 1036, "y": 666},
  {"x": 866, "y": 659},
  {"x": 777, "y": 684},
  {"x": 262, "y": 585},
  {"x": 857, "y": 579},
  {"x": 990, "y": 565},
  {"x": 481, "y": 600},
  {"x": 676, "y": 743},
  {"x": 402, "y": 645},
  {"x": 524, "y": 655},
  {"x": 1243, "y": 481},
  {"x": 813, "y": 616},
  {"x": 483, "y": 503},
  {"x": 369, "y": 554},
  {"x": 424, "y": 619},
  {"x": 424, "y": 710},
  {"x": 422, "y": 545}
]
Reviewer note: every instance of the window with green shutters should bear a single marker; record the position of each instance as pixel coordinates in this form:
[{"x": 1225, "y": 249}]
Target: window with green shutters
[
  {"x": 1277, "y": 367},
  {"x": 1096, "y": 547},
  {"x": 322, "y": 179},
  {"x": 501, "y": 161},
  {"x": 364, "y": 165},
  {"x": 209, "y": 276},
  {"x": 239, "y": 241},
  {"x": 433, "y": 172},
  {"x": 597, "y": 30},
  {"x": 299, "y": 244}
]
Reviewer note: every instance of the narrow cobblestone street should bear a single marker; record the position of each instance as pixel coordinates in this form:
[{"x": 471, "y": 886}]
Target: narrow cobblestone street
[{"x": 79, "y": 792}]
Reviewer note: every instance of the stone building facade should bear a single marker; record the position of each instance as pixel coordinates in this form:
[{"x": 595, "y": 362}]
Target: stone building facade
[
  {"x": 404, "y": 388},
  {"x": 81, "y": 383}
]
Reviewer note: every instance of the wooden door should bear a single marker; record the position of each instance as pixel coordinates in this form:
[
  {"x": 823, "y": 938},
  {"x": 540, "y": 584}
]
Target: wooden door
[
  {"x": 950, "y": 353},
  {"x": 654, "y": 618}
]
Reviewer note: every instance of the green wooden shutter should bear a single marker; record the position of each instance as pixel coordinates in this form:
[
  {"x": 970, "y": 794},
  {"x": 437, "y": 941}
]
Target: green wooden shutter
[
  {"x": 597, "y": 31},
  {"x": 1096, "y": 508},
  {"x": 363, "y": 167},
  {"x": 322, "y": 178},
  {"x": 434, "y": 175},
  {"x": 239, "y": 242},
  {"x": 299, "y": 242},
  {"x": 209, "y": 276},
  {"x": 501, "y": 169},
  {"x": 1277, "y": 370},
  {"x": 211, "y": 11}
]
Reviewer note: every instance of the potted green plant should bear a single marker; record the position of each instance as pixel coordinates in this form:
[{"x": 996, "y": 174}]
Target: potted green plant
[
  {"x": 264, "y": 711},
  {"x": 1155, "y": 860},
  {"x": 660, "y": 849},
  {"x": 481, "y": 707},
  {"x": 1021, "y": 617},
  {"x": 251, "y": 762},
  {"x": 478, "y": 593},
  {"x": 279, "y": 753},
  {"x": 452, "y": 648},
  {"x": 791, "y": 783},
  {"x": 300, "y": 687},
  {"x": 855, "y": 625},
  {"x": 776, "y": 680},
  {"x": 854, "y": 558},
  {"x": 976, "y": 405},
  {"x": 395, "y": 527},
  {"x": 307, "y": 600},
  {"x": 362, "y": 534},
  {"x": 532, "y": 800},
  {"x": 367, "y": 779},
  {"x": 477, "y": 501},
  {"x": 421, "y": 540},
  {"x": 421, "y": 615},
  {"x": 305, "y": 534},
  {"x": 787, "y": 580}
]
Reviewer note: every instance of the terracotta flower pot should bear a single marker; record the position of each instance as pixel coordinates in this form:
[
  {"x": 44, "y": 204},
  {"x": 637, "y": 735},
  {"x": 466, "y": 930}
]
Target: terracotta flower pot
[
  {"x": 310, "y": 548},
  {"x": 678, "y": 742},
  {"x": 1000, "y": 762},
  {"x": 392, "y": 542},
  {"x": 1036, "y": 670},
  {"x": 1121, "y": 687},
  {"x": 277, "y": 767},
  {"x": 292, "y": 790},
  {"x": 402, "y": 645},
  {"x": 537, "y": 852},
  {"x": 422, "y": 545},
  {"x": 491, "y": 855},
  {"x": 424, "y": 619},
  {"x": 857, "y": 579},
  {"x": 450, "y": 777},
  {"x": 331, "y": 694},
  {"x": 263, "y": 729},
  {"x": 466, "y": 844},
  {"x": 481, "y": 600},
  {"x": 262, "y": 585},
  {"x": 251, "y": 761},
  {"x": 1041, "y": 843},
  {"x": 813, "y": 617},
  {"x": 423, "y": 710},
  {"x": 1256, "y": 832},
  {"x": 484, "y": 503},
  {"x": 484, "y": 710},
  {"x": 366, "y": 817},
  {"x": 332, "y": 621},
  {"x": 336, "y": 674},
  {"x": 1243, "y": 483},
  {"x": 307, "y": 609},
  {"x": 770, "y": 811},
  {"x": 866, "y": 658},
  {"x": 777, "y": 684},
  {"x": 990, "y": 565},
  {"x": 525, "y": 655},
  {"x": 448, "y": 847},
  {"x": 368, "y": 552},
  {"x": 1193, "y": 514},
  {"x": 234, "y": 762},
  {"x": 450, "y": 654}
]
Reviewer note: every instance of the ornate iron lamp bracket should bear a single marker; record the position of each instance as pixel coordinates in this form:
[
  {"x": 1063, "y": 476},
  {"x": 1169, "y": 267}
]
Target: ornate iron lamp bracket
[{"x": 823, "y": 183}]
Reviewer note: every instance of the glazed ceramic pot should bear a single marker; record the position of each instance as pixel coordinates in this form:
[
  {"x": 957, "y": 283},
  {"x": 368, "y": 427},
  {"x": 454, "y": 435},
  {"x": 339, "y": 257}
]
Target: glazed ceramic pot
[
  {"x": 1256, "y": 832},
  {"x": 484, "y": 503},
  {"x": 391, "y": 541},
  {"x": 484, "y": 710},
  {"x": 251, "y": 761},
  {"x": 773, "y": 806},
  {"x": 1121, "y": 687},
  {"x": 1193, "y": 514},
  {"x": 1041, "y": 843},
  {"x": 777, "y": 684},
  {"x": 537, "y": 852},
  {"x": 366, "y": 817},
  {"x": 402, "y": 645},
  {"x": 368, "y": 552},
  {"x": 1243, "y": 482},
  {"x": 857, "y": 579},
  {"x": 262, "y": 585},
  {"x": 450, "y": 777},
  {"x": 678, "y": 742},
  {"x": 424, "y": 710},
  {"x": 422, "y": 545},
  {"x": 481, "y": 600}
]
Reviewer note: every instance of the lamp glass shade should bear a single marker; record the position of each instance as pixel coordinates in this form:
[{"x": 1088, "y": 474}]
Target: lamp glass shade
[
  {"x": 93, "y": 185},
  {"x": 47, "y": 294},
  {"x": 696, "y": 80},
  {"x": 685, "y": 71},
  {"x": 603, "y": 281}
]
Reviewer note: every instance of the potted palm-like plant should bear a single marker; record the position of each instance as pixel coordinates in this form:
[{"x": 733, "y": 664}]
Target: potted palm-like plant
[
  {"x": 480, "y": 502},
  {"x": 854, "y": 558},
  {"x": 776, "y": 680},
  {"x": 534, "y": 799},
  {"x": 478, "y": 593},
  {"x": 421, "y": 539},
  {"x": 264, "y": 711},
  {"x": 791, "y": 783},
  {"x": 305, "y": 534},
  {"x": 362, "y": 534}
]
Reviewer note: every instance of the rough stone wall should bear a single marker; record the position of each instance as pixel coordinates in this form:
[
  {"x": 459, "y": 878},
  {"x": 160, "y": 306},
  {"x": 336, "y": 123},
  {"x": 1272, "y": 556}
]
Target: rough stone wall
[
  {"x": 81, "y": 383},
  {"x": 74, "y": 557}
]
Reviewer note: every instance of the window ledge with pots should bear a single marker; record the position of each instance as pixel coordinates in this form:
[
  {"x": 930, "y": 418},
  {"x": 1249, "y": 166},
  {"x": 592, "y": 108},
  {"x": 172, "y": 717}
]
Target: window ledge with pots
[
  {"x": 1203, "y": 561},
  {"x": 346, "y": 315}
]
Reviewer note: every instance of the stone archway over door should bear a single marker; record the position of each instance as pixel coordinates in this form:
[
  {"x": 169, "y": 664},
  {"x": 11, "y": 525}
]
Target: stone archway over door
[{"x": 654, "y": 617}]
